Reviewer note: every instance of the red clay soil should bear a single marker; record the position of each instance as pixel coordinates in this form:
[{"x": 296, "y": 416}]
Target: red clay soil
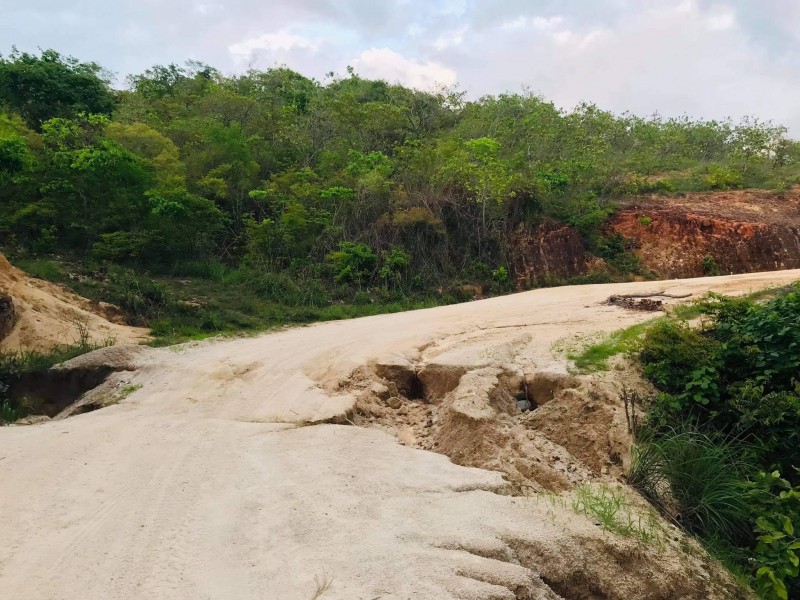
[
  {"x": 742, "y": 231},
  {"x": 547, "y": 253}
]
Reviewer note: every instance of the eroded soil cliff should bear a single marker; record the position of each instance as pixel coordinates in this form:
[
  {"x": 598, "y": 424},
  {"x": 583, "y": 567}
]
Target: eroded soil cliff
[
  {"x": 38, "y": 315},
  {"x": 717, "y": 233},
  {"x": 690, "y": 235}
]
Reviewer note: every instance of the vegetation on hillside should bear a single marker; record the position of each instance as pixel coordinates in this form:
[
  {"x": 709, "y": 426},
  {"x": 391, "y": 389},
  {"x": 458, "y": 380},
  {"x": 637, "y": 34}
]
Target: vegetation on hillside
[
  {"x": 294, "y": 198},
  {"x": 719, "y": 450}
]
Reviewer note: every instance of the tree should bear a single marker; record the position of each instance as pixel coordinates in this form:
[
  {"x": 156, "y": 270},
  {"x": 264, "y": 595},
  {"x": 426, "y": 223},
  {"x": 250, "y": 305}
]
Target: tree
[{"x": 40, "y": 88}]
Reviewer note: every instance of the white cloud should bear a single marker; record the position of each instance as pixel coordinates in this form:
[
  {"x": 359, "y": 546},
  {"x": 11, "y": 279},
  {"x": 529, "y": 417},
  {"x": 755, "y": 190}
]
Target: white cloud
[
  {"x": 206, "y": 8},
  {"x": 451, "y": 38},
  {"x": 537, "y": 23},
  {"x": 547, "y": 23},
  {"x": 709, "y": 58},
  {"x": 414, "y": 30},
  {"x": 669, "y": 57},
  {"x": 278, "y": 42},
  {"x": 383, "y": 63},
  {"x": 720, "y": 21}
]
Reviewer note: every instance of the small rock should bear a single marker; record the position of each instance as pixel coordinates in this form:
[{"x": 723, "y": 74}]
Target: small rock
[
  {"x": 395, "y": 402},
  {"x": 380, "y": 390}
]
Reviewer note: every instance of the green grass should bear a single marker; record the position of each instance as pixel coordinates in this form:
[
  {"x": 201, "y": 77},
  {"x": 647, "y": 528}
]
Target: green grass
[
  {"x": 595, "y": 356},
  {"x": 696, "y": 476},
  {"x": 42, "y": 269},
  {"x": 610, "y": 508}
]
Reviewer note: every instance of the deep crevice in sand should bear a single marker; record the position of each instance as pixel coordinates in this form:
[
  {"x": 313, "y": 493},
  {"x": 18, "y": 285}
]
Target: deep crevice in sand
[{"x": 544, "y": 431}]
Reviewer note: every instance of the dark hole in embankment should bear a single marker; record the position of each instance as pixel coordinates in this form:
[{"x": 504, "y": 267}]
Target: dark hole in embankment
[
  {"x": 51, "y": 391},
  {"x": 413, "y": 388}
]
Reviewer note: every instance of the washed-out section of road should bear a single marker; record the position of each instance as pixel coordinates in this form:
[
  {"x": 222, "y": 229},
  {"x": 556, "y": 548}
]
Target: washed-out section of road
[{"x": 235, "y": 470}]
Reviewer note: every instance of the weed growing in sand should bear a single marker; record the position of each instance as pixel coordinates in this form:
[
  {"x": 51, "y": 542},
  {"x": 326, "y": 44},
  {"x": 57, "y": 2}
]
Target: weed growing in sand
[
  {"x": 323, "y": 583},
  {"x": 124, "y": 392},
  {"x": 129, "y": 389},
  {"x": 8, "y": 414},
  {"x": 613, "y": 512},
  {"x": 595, "y": 356}
]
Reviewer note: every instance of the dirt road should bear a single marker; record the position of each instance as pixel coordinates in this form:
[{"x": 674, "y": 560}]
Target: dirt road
[{"x": 218, "y": 478}]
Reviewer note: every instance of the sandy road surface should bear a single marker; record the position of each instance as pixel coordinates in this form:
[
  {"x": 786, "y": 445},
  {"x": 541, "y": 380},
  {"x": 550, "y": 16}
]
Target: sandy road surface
[{"x": 211, "y": 481}]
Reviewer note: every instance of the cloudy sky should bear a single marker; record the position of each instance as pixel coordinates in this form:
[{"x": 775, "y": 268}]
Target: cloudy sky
[{"x": 705, "y": 58}]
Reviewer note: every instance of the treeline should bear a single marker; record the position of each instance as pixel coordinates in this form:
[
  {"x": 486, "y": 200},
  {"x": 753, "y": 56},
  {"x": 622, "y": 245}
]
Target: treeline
[{"x": 353, "y": 184}]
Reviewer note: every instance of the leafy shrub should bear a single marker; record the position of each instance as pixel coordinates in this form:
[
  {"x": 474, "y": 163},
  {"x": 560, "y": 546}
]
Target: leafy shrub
[
  {"x": 737, "y": 378},
  {"x": 672, "y": 351},
  {"x": 395, "y": 262},
  {"x": 761, "y": 342},
  {"x": 720, "y": 177},
  {"x": 501, "y": 278},
  {"x": 352, "y": 262},
  {"x": 614, "y": 250},
  {"x": 775, "y": 508},
  {"x": 710, "y": 266}
]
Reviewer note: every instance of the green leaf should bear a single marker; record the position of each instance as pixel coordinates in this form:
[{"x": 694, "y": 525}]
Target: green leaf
[{"x": 787, "y": 526}]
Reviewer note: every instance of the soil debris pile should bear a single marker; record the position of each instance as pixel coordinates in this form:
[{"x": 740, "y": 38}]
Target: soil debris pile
[
  {"x": 38, "y": 315},
  {"x": 644, "y": 304}
]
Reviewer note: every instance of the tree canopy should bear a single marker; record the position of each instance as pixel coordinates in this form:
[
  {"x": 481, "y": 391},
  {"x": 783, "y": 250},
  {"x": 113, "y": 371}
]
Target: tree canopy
[{"x": 277, "y": 172}]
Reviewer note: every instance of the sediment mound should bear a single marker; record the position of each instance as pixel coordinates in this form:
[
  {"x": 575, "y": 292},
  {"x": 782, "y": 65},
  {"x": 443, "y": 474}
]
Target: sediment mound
[{"x": 38, "y": 315}]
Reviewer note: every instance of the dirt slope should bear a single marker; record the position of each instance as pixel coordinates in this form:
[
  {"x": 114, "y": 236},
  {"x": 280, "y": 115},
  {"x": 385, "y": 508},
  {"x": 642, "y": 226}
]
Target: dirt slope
[
  {"x": 223, "y": 476},
  {"x": 742, "y": 231},
  {"x": 46, "y": 315}
]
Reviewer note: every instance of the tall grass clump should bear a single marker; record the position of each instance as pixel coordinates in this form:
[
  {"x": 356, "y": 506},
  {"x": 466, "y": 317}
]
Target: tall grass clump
[{"x": 697, "y": 479}]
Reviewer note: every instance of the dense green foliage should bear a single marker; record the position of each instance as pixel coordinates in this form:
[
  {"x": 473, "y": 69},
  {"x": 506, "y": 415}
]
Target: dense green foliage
[
  {"x": 355, "y": 191},
  {"x": 722, "y": 448}
]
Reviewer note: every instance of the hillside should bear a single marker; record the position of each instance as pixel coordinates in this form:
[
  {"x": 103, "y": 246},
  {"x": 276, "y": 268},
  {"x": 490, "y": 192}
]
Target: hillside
[
  {"x": 293, "y": 197},
  {"x": 687, "y": 235},
  {"x": 553, "y": 443}
]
